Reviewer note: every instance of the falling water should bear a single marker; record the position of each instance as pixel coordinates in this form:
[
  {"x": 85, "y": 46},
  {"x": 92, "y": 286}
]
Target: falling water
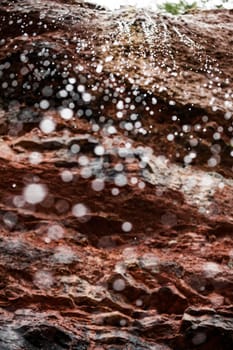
[
  {"x": 149, "y": 38},
  {"x": 116, "y": 194},
  {"x": 147, "y": 49}
]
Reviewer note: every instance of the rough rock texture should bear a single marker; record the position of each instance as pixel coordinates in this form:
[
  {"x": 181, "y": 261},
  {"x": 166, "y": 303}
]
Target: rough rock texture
[{"x": 116, "y": 186}]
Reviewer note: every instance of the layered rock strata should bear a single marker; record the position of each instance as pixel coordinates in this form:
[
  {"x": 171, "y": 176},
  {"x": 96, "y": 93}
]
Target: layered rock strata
[{"x": 116, "y": 186}]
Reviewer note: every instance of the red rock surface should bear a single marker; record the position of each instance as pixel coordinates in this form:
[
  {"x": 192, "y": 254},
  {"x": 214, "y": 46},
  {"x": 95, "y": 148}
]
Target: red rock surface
[{"x": 116, "y": 178}]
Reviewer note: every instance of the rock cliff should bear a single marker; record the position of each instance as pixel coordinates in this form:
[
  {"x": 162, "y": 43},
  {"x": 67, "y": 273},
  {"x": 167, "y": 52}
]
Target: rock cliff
[{"x": 116, "y": 187}]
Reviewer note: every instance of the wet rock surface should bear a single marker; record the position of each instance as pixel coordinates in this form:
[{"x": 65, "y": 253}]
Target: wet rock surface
[{"x": 116, "y": 186}]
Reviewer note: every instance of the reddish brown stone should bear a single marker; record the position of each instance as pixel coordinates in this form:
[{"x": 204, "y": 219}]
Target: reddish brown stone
[{"x": 145, "y": 259}]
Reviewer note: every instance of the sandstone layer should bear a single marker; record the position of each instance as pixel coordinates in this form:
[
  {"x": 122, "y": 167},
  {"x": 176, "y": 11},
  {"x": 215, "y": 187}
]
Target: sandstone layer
[{"x": 116, "y": 188}]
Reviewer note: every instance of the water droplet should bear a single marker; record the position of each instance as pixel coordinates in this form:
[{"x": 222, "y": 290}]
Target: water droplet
[
  {"x": 127, "y": 226},
  {"x": 44, "y": 104},
  {"x": 34, "y": 193},
  {"x": 66, "y": 176},
  {"x": 120, "y": 180},
  {"x": 86, "y": 97},
  {"x": 118, "y": 285},
  {"x": 98, "y": 185},
  {"x": 79, "y": 210},
  {"x": 35, "y": 158},
  {"x": 47, "y": 125},
  {"x": 66, "y": 113},
  {"x": 99, "y": 150}
]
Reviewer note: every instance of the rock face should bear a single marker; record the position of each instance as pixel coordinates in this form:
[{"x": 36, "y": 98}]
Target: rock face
[{"x": 116, "y": 186}]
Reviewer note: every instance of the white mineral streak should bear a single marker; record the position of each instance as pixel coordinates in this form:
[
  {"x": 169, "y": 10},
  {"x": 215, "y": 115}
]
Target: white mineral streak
[{"x": 198, "y": 187}]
